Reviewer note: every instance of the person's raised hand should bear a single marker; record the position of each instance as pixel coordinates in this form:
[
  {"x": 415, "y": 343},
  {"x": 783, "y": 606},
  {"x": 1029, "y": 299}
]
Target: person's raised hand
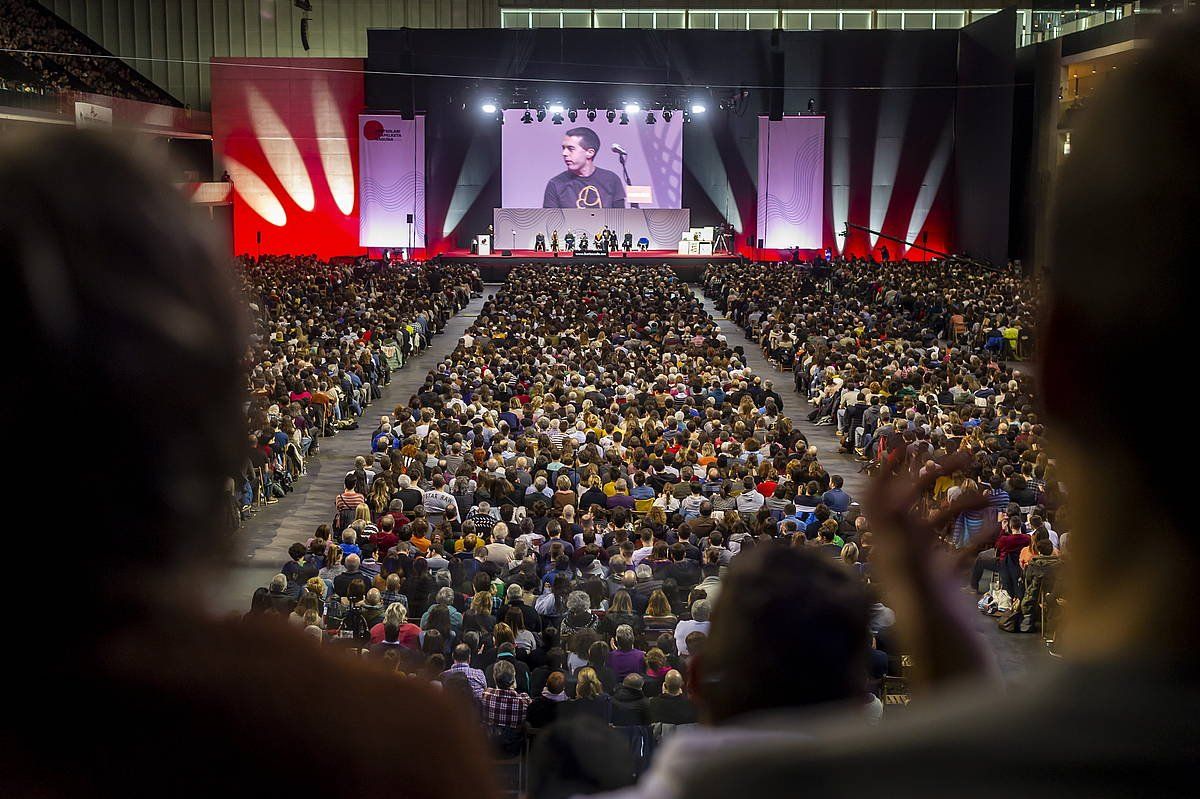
[{"x": 919, "y": 581}]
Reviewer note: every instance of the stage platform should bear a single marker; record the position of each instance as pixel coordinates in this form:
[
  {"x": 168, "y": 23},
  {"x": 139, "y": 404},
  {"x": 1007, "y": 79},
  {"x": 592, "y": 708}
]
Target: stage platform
[{"x": 494, "y": 268}]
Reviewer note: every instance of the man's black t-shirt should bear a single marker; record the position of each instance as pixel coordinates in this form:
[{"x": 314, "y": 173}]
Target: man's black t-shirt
[{"x": 601, "y": 189}]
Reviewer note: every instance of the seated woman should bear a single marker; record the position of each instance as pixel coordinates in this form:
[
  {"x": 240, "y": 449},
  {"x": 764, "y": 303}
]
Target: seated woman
[
  {"x": 659, "y": 616},
  {"x": 590, "y": 701},
  {"x": 620, "y": 611}
]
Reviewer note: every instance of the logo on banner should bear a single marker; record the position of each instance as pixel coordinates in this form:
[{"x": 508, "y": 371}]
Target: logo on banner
[{"x": 373, "y": 130}]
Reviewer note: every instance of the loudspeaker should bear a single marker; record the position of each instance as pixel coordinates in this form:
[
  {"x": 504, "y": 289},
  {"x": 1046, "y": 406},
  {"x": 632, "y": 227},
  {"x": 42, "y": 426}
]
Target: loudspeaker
[
  {"x": 775, "y": 93},
  {"x": 304, "y": 32},
  {"x": 409, "y": 219},
  {"x": 506, "y": 253},
  {"x": 760, "y": 244}
]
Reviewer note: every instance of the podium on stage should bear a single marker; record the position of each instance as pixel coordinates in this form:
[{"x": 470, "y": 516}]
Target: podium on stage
[
  {"x": 697, "y": 241},
  {"x": 483, "y": 244}
]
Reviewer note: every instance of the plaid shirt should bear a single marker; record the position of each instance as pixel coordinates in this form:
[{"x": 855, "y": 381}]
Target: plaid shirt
[
  {"x": 504, "y": 707},
  {"x": 474, "y": 677}
]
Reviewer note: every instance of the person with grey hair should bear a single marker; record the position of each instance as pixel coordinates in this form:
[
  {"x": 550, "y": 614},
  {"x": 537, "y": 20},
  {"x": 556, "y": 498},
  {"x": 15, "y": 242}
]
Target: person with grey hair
[
  {"x": 504, "y": 709},
  {"x": 699, "y": 623},
  {"x": 579, "y": 614},
  {"x": 515, "y": 597},
  {"x": 625, "y": 658},
  {"x": 445, "y": 598},
  {"x": 341, "y": 583}
]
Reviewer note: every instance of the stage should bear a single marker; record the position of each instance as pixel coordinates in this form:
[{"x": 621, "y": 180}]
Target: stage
[{"x": 494, "y": 268}]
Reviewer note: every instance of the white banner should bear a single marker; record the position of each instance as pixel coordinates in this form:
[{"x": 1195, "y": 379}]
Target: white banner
[
  {"x": 88, "y": 115},
  {"x": 391, "y": 160}
]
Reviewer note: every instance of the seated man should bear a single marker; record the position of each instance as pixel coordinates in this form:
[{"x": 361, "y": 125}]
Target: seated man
[{"x": 627, "y": 242}]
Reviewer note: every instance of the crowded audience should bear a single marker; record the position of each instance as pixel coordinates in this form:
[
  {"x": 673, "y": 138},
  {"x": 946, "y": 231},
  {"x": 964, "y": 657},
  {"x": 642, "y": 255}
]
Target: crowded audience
[
  {"x": 326, "y": 337},
  {"x": 54, "y": 55},
  {"x": 558, "y": 506}
]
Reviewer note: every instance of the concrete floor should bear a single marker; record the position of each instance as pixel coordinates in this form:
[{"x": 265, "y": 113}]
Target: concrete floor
[{"x": 261, "y": 547}]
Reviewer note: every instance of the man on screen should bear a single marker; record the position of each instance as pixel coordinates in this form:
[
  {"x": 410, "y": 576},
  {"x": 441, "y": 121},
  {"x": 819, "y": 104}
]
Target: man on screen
[{"x": 583, "y": 184}]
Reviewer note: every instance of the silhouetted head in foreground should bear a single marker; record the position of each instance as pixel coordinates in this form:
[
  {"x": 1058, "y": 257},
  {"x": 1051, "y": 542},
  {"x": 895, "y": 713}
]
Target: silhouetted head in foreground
[
  {"x": 128, "y": 346},
  {"x": 1121, "y": 300}
]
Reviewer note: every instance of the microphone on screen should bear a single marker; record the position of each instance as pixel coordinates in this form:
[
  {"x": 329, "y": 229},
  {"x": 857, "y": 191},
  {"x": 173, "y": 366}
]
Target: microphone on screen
[{"x": 618, "y": 149}]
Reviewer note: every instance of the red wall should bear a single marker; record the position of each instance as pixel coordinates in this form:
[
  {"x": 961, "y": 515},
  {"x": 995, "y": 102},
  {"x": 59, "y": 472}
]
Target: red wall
[{"x": 286, "y": 130}]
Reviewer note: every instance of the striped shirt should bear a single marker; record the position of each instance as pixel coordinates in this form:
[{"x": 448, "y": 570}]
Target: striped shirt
[{"x": 349, "y": 500}]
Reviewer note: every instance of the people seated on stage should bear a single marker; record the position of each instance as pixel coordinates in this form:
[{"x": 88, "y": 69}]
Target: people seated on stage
[
  {"x": 599, "y": 242},
  {"x": 627, "y": 242},
  {"x": 643, "y": 244},
  {"x": 569, "y": 240},
  {"x": 539, "y": 242},
  {"x": 554, "y": 241}
]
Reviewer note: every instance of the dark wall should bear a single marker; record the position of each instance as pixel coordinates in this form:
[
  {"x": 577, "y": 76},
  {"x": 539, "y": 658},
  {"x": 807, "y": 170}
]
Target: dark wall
[
  {"x": 983, "y": 129},
  {"x": 889, "y": 98}
]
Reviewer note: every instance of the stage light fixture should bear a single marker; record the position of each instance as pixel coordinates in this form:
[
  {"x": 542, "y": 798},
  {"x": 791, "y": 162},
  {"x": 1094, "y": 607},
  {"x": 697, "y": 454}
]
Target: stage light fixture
[
  {"x": 632, "y": 108},
  {"x": 667, "y": 114},
  {"x": 624, "y": 119},
  {"x": 527, "y": 118},
  {"x": 812, "y": 105},
  {"x": 610, "y": 115},
  {"x": 557, "y": 119},
  {"x": 591, "y": 115},
  {"x": 541, "y": 115},
  {"x": 650, "y": 118},
  {"x": 556, "y": 108},
  {"x": 303, "y": 5},
  {"x": 488, "y": 108},
  {"x": 698, "y": 108},
  {"x": 572, "y": 115}
]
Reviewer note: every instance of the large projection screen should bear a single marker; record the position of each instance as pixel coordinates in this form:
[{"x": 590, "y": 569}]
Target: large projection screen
[
  {"x": 791, "y": 182},
  {"x": 391, "y": 158},
  {"x": 542, "y": 167}
]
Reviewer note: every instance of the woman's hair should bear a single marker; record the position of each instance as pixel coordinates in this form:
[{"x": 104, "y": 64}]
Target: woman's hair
[
  {"x": 396, "y": 614},
  {"x": 515, "y": 619},
  {"x": 481, "y": 603},
  {"x": 362, "y": 513},
  {"x": 621, "y": 603},
  {"x": 850, "y": 553},
  {"x": 597, "y": 654},
  {"x": 658, "y": 604},
  {"x": 655, "y": 659},
  {"x": 588, "y": 685},
  {"x": 503, "y": 634}
]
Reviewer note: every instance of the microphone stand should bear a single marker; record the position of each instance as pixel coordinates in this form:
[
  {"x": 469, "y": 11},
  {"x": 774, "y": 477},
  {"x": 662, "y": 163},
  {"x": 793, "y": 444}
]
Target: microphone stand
[{"x": 628, "y": 182}]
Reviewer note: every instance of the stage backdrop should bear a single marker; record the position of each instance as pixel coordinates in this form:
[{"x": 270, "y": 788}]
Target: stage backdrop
[
  {"x": 533, "y": 155},
  {"x": 791, "y": 181},
  {"x": 283, "y": 128},
  {"x": 391, "y": 156},
  {"x": 664, "y": 227}
]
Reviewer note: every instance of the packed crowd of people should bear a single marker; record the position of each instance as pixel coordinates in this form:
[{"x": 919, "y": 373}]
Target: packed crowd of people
[
  {"x": 34, "y": 36},
  {"x": 910, "y": 360},
  {"x": 552, "y": 516},
  {"x": 326, "y": 337}
]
